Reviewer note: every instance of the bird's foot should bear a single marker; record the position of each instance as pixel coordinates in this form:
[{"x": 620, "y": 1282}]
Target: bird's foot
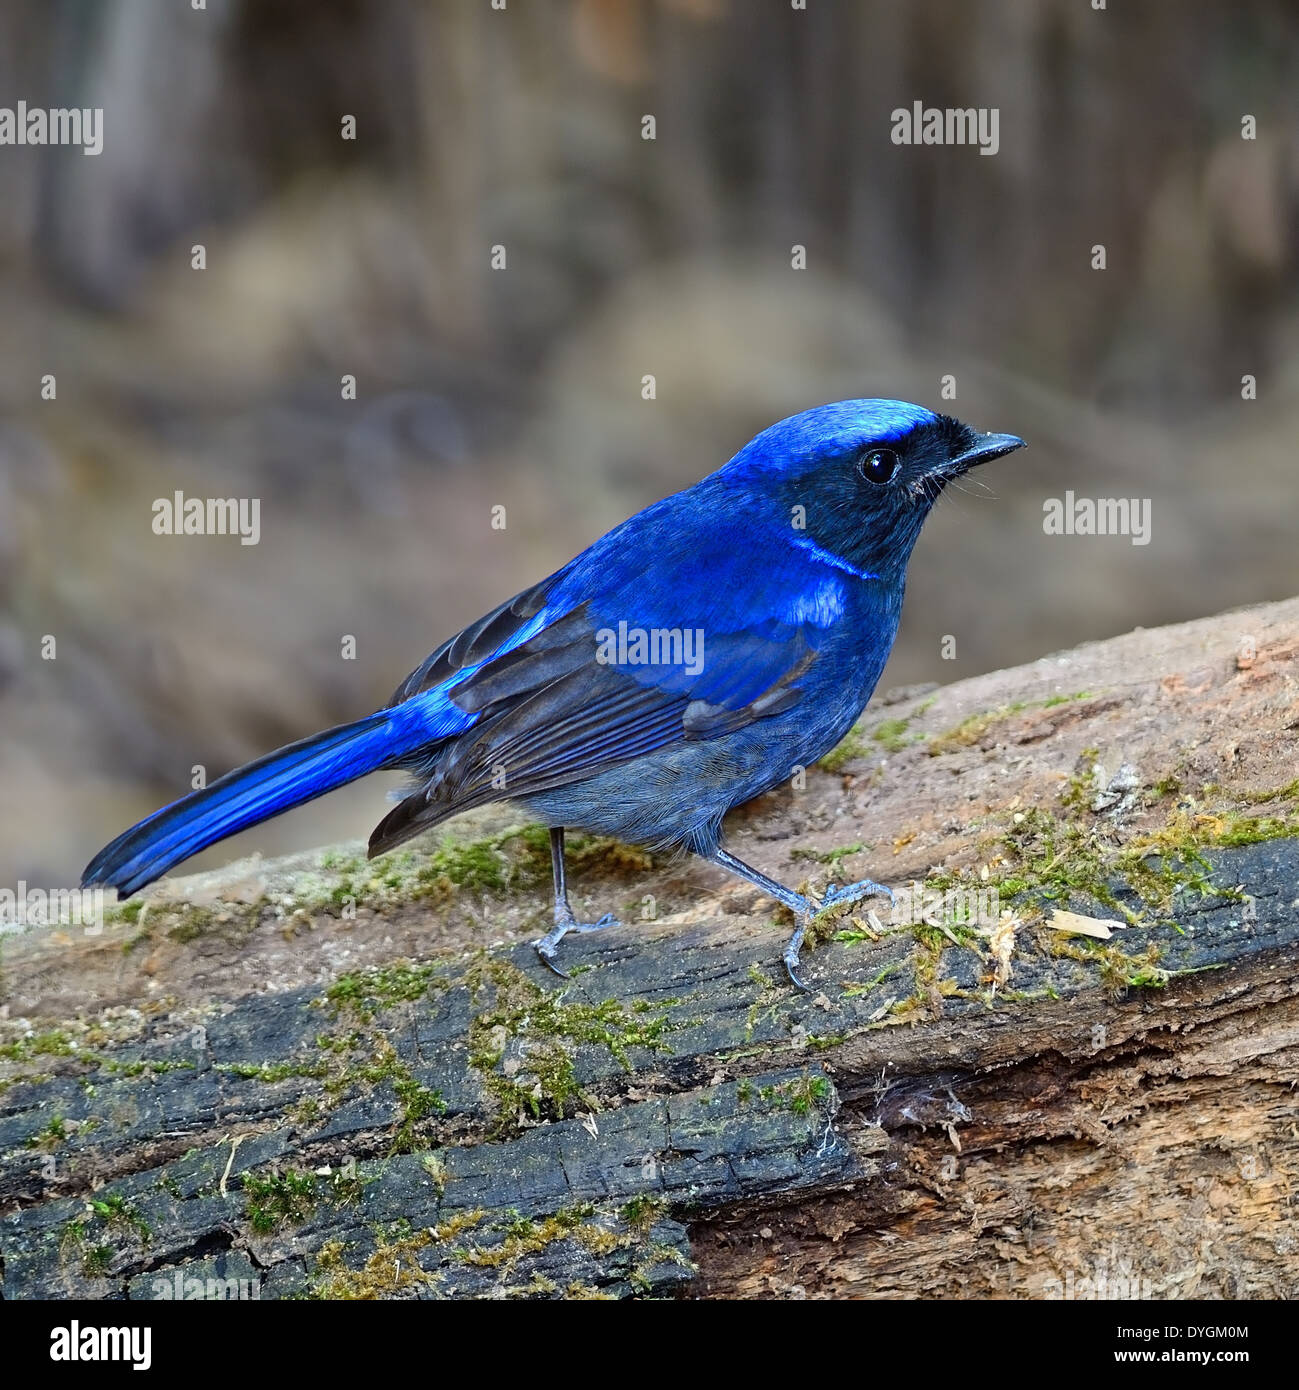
[
  {"x": 855, "y": 892},
  {"x": 546, "y": 946},
  {"x": 832, "y": 897},
  {"x": 790, "y": 956}
]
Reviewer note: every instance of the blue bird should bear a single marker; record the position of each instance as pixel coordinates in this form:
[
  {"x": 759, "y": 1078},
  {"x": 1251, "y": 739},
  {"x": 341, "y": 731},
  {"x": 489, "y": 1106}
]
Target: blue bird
[{"x": 691, "y": 659}]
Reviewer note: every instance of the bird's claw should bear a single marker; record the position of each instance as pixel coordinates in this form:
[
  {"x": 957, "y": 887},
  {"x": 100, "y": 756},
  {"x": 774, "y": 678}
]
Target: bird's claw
[
  {"x": 546, "y": 955},
  {"x": 547, "y": 946},
  {"x": 833, "y": 897},
  {"x": 791, "y": 969},
  {"x": 790, "y": 957}
]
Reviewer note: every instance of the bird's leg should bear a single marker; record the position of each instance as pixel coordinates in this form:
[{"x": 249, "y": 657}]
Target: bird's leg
[
  {"x": 565, "y": 922},
  {"x": 802, "y": 908}
]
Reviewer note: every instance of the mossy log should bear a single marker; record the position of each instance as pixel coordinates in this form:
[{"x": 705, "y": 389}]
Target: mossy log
[{"x": 325, "y": 1078}]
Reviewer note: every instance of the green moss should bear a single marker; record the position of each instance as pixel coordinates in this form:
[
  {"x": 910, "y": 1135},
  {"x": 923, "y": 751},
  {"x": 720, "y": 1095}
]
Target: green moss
[
  {"x": 538, "y": 1286},
  {"x": 128, "y": 912},
  {"x": 801, "y": 1096},
  {"x": 853, "y": 991},
  {"x": 515, "y": 859},
  {"x": 520, "y": 858},
  {"x": 1289, "y": 792},
  {"x": 59, "y": 1043},
  {"x": 272, "y": 1071},
  {"x": 364, "y": 993},
  {"x": 1119, "y": 969},
  {"x": 547, "y": 1027},
  {"x": 511, "y": 1238},
  {"x": 157, "y": 1066},
  {"x": 482, "y": 865},
  {"x": 435, "y": 1166},
  {"x": 523, "y": 1236},
  {"x": 84, "y": 1238},
  {"x": 854, "y": 746},
  {"x": 1053, "y": 700},
  {"x": 1053, "y": 858},
  {"x": 191, "y": 920},
  {"x": 765, "y": 1001},
  {"x": 1081, "y": 788},
  {"x": 363, "y": 1054},
  {"x": 272, "y": 1200},
  {"x": 828, "y": 856},
  {"x": 459, "y": 1222},
  {"x": 418, "y": 1103},
  {"x": 600, "y": 1240},
  {"x": 972, "y": 729},
  {"x": 494, "y": 1245},
  {"x": 925, "y": 960},
  {"x": 51, "y": 1044},
  {"x": 639, "y": 1278},
  {"x": 1255, "y": 830},
  {"x": 116, "y": 1210},
  {"x": 1185, "y": 835},
  {"x": 393, "y": 1269},
  {"x": 889, "y": 734},
  {"x": 602, "y": 854},
  {"x": 51, "y": 1136},
  {"x": 577, "y": 1292},
  {"x": 641, "y": 1212}
]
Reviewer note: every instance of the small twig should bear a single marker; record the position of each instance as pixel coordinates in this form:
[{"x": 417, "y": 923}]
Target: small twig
[{"x": 235, "y": 1141}]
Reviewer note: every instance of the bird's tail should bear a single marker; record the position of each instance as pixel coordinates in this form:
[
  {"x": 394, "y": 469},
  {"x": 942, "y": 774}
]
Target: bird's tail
[{"x": 253, "y": 793}]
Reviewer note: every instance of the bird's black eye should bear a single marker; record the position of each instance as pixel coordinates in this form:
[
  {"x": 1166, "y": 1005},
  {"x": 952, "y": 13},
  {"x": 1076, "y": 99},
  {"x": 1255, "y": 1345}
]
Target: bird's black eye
[{"x": 878, "y": 465}]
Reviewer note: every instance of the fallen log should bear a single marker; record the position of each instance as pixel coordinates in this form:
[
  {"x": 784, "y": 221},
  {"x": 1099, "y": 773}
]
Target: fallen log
[{"x": 1064, "y": 1067}]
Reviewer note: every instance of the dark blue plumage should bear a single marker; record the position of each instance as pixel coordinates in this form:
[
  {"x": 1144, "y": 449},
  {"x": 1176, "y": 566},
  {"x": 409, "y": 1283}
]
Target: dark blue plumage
[{"x": 764, "y": 602}]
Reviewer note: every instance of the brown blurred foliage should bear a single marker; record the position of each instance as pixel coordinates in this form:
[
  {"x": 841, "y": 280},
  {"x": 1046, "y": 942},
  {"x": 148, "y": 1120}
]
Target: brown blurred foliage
[{"x": 523, "y": 128}]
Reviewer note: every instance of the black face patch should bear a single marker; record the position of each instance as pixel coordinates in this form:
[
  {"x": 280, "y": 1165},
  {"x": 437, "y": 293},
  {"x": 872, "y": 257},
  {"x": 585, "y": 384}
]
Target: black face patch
[
  {"x": 930, "y": 448},
  {"x": 866, "y": 507}
]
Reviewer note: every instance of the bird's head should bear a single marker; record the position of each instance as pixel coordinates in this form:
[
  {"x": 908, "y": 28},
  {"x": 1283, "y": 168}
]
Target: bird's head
[{"x": 858, "y": 478}]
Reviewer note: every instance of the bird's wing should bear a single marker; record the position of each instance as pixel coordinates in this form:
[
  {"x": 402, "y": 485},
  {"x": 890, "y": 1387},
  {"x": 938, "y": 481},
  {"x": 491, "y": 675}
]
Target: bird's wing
[
  {"x": 557, "y": 693},
  {"x": 496, "y": 633}
]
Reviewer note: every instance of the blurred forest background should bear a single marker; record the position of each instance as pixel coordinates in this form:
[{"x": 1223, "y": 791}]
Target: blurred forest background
[{"x": 522, "y": 387}]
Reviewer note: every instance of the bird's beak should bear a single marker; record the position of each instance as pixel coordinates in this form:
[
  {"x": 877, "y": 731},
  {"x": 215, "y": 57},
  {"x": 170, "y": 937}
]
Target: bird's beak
[{"x": 985, "y": 448}]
